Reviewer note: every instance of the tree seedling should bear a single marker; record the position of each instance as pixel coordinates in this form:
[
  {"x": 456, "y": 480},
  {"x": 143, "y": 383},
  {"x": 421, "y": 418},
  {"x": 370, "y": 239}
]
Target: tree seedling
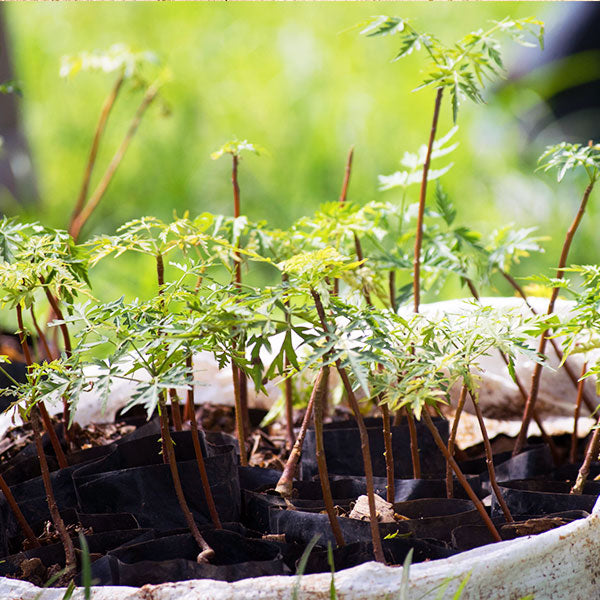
[
  {"x": 235, "y": 148},
  {"x": 128, "y": 66},
  {"x": 563, "y": 157}
]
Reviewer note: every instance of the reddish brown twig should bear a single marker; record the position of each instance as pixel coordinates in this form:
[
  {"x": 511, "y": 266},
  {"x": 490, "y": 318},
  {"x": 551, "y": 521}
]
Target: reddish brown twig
[
  {"x": 452, "y": 439},
  {"x": 288, "y": 387},
  {"x": 175, "y": 409},
  {"x": 210, "y": 501},
  {"x": 392, "y": 291},
  {"x": 574, "y": 438},
  {"x": 422, "y": 199},
  {"x": 104, "y": 114},
  {"x": 237, "y": 268},
  {"x": 322, "y": 465},
  {"x": 285, "y": 485},
  {"x": 414, "y": 444},
  {"x": 461, "y": 478},
  {"x": 489, "y": 460},
  {"x": 41, "y": 335},
  {"x": 23, "y": 524},
  {"x": 559, "y": 354},
  {"x": 239, "y": 420},
  {"x": 590, "y": 456},
  {"x": 57, "y": 520},
  {"x": 364, "y": 438},
  {"x": 48, "y": 427},
  {"x": 368, "y": 465},
  {"x": 84, "y": 214},
  {"x": 347, "y": 173},
  {"x": 206, "y": 552},
  {"x": 389, "y": 452}
]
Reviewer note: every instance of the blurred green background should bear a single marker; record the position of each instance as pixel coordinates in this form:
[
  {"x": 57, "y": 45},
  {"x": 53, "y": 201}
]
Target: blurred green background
[{"x": 286, "y": 76}]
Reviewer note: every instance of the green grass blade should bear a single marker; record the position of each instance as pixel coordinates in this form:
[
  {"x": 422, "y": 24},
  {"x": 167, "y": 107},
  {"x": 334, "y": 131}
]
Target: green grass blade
[{"x": 302, "y": 564}]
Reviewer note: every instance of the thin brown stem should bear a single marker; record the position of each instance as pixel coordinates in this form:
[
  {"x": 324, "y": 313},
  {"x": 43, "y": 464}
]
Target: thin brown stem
[
  {"x": 489, "y": 460},
  {"x": 59, "y": 315},
  {"x": 48, "y": 427},
  {"x": 555, "y": 345},
  {"x": 237, "y": 267},
  {"x": 392, "y": 290},
  {"x": 289, "y": 408},
  {"x": 239, "y": 418},
  {"x": 547, "y": 439},
  {"x": 460, "y": 476},
  {"x": 414, "y": 445},
  {"x": 288, "y": 388},
  {"x": 422, "y": 199},
  {"x": 322, "y": 465},
  {"x": 452, "y": 439},
  {"x": 537, "y": 372},
  {"x": 347, "y": 173},
  {"x": 389, "y": 453},
  {"x": 160, "y": 272},
  {"x": 364, "y": 437},
  {"x": 210, "y": 501},
  {"x": 104, "y": 113},
  {"x": 206, "y": 551},
  {"x": 360, "y": 256},
  {"x": 368, "y": 465},
  {"x": 41, "y": 335},
  {"x": 97, "y": 195},
  {"x": 57, "y": 520},
  {"x": 23, "y": 524},
  {"x": 175, "y": 409},
  {"x": 574, "y": 437},
  {"x": 590, "y": 456},
  {"x": 285, "y": 485}
]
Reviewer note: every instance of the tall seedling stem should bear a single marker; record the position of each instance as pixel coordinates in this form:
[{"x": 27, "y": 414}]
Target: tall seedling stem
[
  {"x": 58, "y": 451},
  {"x": 322, "y": 463},
  {"x": 422, "y": 200},
  {"x": 591, "y": 455},
  {"x": 537, "y": 371},
  {"x": 342, "y": 200},
  {"x": 574, "y": 438},
  {"x": 41, "y": 335},
  {"x": 104, "y": 114},
  {"x": 460, "y": 476},
  {"x": 59, "y": 524},
  {"x": 285, "y": 485},
  {"x": 78, "y": 221},
  {"x": 240, "y": 383},
  {"x": 28, "y": 532},
  {"x": 547, "y": 439},
  {"x": 489, "y": 460},
  {"x": 559, "y": 354},
  {"x": 412, "y": 429},
  {"x": 452, "y": 439},
  {"x": 206, "y": 551},
  {"x": 364, "y": 438},
  {"x": 212, "y": 509},
  {"x": 67, "y": 347},
  {"x": 288, "y": 389}
]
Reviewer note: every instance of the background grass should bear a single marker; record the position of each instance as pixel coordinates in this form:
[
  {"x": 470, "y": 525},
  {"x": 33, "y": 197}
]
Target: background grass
[{"x": 281, "y": 75}]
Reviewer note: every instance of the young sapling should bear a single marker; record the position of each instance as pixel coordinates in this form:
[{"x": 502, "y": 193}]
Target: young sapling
[
  {"x": 127, "y": 65},
  {"x": 564, "y": 157},
  {"x": 234, "y": 148}
]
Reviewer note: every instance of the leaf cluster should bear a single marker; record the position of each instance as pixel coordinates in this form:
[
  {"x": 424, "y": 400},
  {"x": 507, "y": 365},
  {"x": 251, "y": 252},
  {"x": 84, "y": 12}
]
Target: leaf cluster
[{"x": 464, "y": 67}]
